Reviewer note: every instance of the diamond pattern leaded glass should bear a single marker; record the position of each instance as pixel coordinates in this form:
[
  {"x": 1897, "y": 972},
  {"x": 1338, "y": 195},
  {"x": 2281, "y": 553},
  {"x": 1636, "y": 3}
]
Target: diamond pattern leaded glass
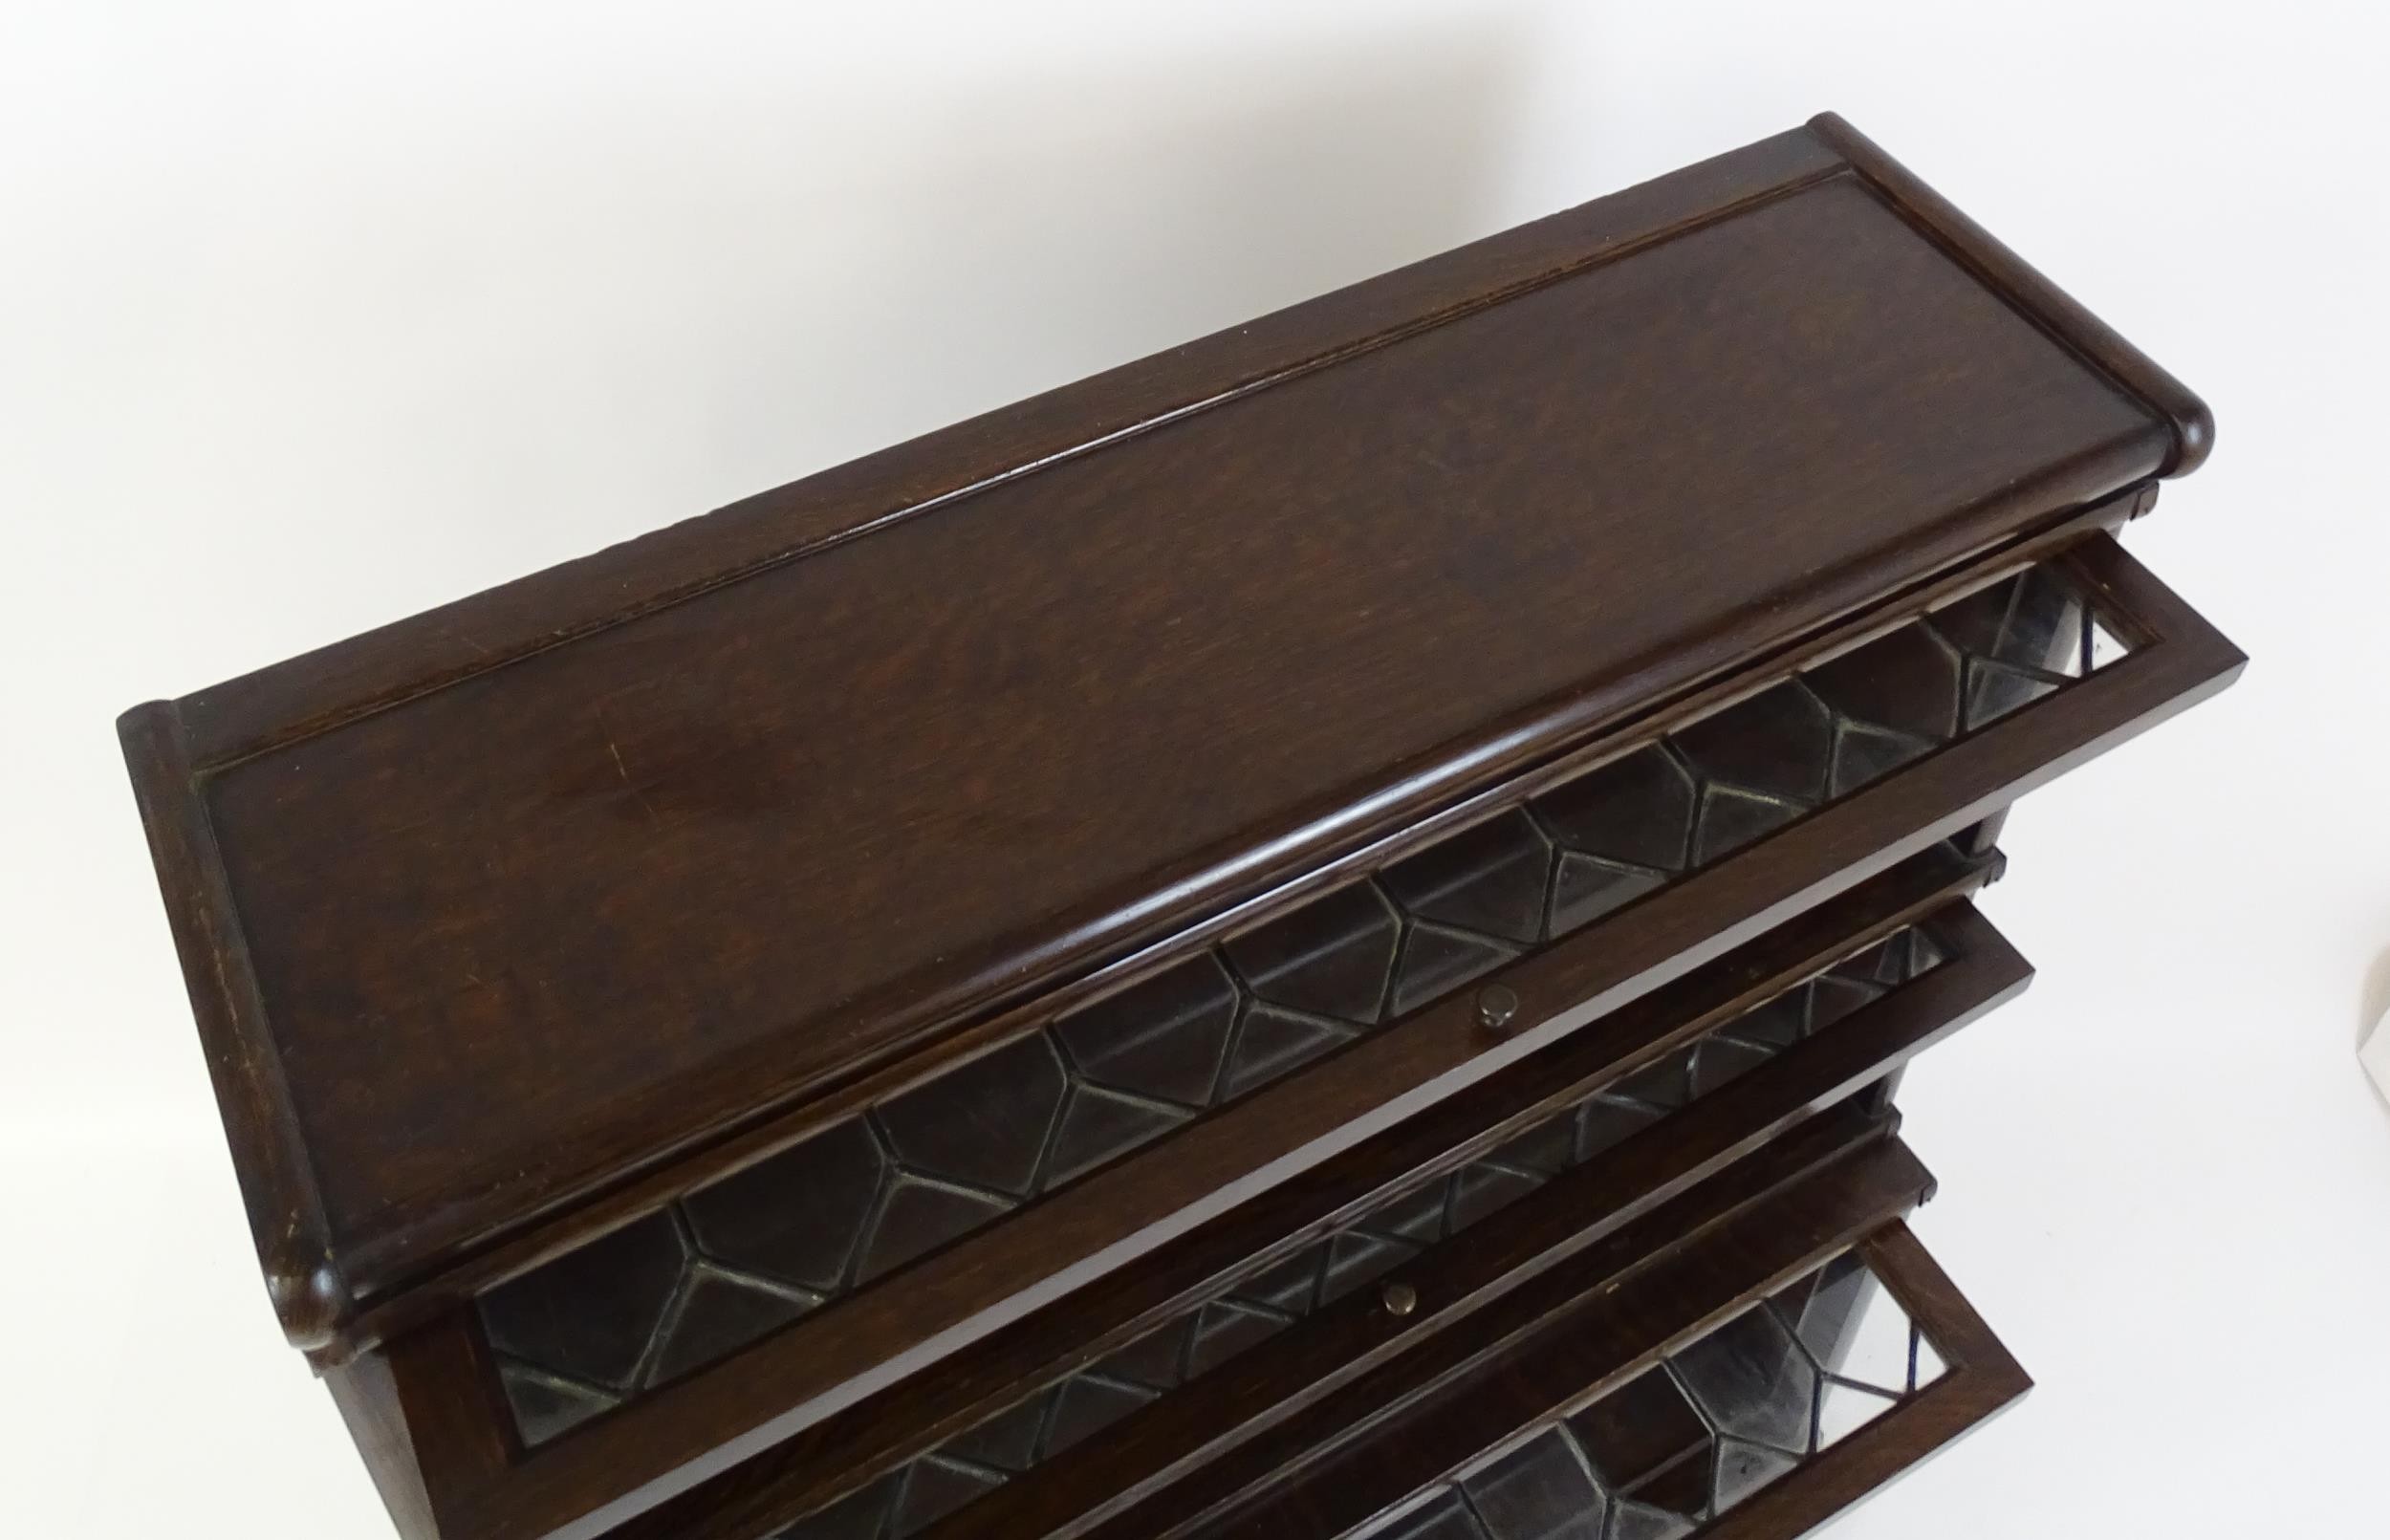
[
  {"x": 1692, "y": 1436},
  {"x": 753, "y": 1250},
  {"x": 1381, "y": 1239}
]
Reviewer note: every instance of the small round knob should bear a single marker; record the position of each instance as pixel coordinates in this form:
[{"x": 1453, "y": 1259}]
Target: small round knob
[
  {"x": 1399, "y": 1298},
  {"x": 1496, "y": 1007}
]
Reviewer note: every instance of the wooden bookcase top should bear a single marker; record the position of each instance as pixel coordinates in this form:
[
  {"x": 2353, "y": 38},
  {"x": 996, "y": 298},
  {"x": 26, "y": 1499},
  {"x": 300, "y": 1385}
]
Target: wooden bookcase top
[{"x": 503, "y": 906}]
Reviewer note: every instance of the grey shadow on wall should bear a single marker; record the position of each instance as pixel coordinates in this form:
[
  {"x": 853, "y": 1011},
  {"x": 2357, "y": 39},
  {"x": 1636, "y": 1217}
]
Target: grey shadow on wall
[{"x": 2373, "y": 1000}]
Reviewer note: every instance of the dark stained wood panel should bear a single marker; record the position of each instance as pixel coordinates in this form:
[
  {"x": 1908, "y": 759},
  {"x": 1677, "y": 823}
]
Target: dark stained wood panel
[{"x": 696, "y": 861}]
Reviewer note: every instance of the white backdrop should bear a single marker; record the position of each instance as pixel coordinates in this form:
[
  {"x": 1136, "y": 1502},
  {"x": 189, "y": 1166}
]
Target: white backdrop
[{"x": 314, "y": 314}]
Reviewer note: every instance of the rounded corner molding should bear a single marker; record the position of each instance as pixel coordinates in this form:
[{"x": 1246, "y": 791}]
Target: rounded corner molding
[
  {"x": 312, "y": 1301},
  {"x": 2194, "y": 435}
]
